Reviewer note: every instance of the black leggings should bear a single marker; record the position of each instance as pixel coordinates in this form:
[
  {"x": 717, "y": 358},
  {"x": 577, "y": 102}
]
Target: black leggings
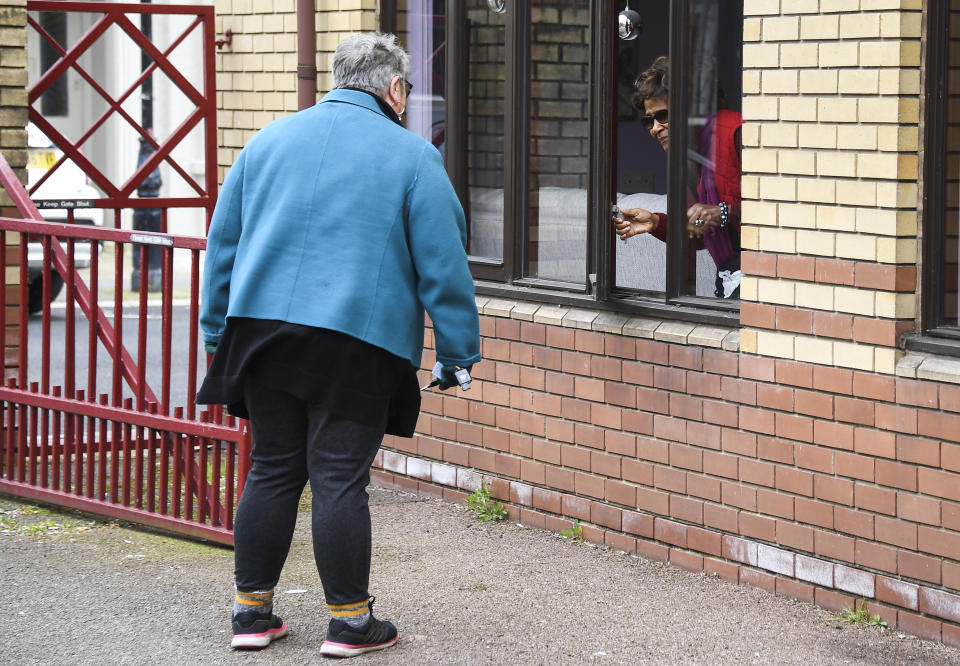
[{"x": 295, "y": 442}]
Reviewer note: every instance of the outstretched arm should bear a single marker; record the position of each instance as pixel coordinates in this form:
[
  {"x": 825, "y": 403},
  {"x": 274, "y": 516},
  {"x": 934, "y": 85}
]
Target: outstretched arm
[{"x": 635, "y": 221}]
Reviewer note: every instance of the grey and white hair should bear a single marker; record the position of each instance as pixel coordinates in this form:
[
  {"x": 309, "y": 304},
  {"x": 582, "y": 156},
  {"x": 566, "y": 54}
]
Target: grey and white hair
[{"x": 369, "y": 61}]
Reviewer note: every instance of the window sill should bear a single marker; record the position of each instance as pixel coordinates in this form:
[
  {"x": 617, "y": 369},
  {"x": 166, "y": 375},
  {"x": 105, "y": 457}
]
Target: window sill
[
  {"x": 690, "y": 310},
  {"x": 916, "y": 365},
  {"x": 943, "y": 342},
  {"x": 677, "y": 332}
]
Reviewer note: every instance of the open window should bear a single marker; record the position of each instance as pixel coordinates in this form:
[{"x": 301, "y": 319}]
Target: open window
[
  {"x": 681, "y": 257},
  {"x": 533, "y": 108}
]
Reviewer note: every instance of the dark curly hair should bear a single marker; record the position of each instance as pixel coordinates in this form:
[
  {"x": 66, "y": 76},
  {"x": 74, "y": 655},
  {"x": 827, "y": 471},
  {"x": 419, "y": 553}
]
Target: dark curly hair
[{"x": 652, "y": 83}]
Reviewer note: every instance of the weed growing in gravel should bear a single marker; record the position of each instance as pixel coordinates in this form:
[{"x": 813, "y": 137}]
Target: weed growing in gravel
[
  {"x": 484, "y": 506},
  {"x": 44, "y": 526},
  {"x": 30, "y": 510},
  {"x": 34, "y": 520},
  {"x": 572, "y": 533},
  {"x": 860, "y": 615}
]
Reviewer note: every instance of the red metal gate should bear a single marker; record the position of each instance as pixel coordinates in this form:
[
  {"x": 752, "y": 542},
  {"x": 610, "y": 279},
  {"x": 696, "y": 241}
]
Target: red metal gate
[{"x": 125, "y": 446}]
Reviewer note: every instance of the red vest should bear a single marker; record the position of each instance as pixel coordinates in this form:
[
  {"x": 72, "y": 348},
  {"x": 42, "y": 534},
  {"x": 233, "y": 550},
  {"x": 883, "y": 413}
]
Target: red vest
[{"x": 726, "y": 157}]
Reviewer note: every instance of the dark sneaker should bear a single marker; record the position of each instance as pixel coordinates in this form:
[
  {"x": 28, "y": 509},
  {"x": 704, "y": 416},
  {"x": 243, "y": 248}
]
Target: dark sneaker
[
  {"x": 251, "y": 630},
  {"x": 343, "y": 641}
]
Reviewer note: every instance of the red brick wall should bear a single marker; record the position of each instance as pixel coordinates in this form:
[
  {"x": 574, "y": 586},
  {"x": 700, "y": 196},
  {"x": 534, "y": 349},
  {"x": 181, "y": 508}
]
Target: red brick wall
[
  {"x": 828, "y": 271},
  {"x": 820, "y": 483}
]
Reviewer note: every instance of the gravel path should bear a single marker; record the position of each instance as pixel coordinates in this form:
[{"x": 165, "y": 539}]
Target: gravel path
[{"x": 459, "y": 591}]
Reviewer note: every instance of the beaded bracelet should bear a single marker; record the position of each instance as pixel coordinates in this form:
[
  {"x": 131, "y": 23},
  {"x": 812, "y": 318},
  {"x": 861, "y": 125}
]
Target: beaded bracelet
[{"x": 724, "y": 214}]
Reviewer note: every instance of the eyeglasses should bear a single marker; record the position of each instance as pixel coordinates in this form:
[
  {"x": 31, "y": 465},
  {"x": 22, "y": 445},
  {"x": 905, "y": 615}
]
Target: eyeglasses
[
  {"x": 408, "y": 86},
  {"x": 660, "y": 116}
]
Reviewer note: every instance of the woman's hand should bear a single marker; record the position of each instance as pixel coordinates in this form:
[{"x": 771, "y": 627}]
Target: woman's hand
[
  {"x": 701, "y": 217},
  {"x": 635, "y": 221}
]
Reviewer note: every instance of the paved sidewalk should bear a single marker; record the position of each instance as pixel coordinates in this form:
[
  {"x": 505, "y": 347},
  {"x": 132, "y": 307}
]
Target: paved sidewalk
[{"x": 460, "y": 592}]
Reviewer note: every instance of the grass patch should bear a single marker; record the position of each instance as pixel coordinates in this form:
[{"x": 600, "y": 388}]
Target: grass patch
[
  {"x": 31, "y": 519},
  {"x": 30, "y": 510},
  {"x": 47, "y": 526},
  {"x": 18, "y": 518}
]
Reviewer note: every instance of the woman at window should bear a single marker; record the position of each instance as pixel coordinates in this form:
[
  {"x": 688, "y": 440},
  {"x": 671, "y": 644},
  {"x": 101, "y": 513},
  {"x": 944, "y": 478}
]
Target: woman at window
[{"x": 713, "y": 218}]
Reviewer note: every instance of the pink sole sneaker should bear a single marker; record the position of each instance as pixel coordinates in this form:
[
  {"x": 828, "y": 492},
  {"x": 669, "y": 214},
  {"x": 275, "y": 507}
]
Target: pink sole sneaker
[
  {"x": 331, "y": 649},
  {"x": 259, "y": 640}
]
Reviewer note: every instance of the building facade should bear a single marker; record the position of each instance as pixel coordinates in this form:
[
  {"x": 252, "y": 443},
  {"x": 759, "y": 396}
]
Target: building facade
[
  {"x": 803, "y": 438},
  {"x": 13, "y": 143}
]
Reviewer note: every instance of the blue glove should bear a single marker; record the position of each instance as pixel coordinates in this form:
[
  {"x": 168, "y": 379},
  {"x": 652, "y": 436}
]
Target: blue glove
[
  {"x": 448, "y": 378},
  {"x": 210, "y": 347}
]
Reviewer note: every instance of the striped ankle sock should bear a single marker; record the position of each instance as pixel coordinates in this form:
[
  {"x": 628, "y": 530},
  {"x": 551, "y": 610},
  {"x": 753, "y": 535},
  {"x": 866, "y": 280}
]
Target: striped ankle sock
[
  {"x": 258, "y": 601},
  {"x": 356, "y": 614}
]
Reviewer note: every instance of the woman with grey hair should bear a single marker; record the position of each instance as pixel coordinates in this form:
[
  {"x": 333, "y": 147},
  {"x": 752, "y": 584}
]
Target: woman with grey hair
[
  {"x": 334, "y": 231},
  {"x": 372, "y": 62}
]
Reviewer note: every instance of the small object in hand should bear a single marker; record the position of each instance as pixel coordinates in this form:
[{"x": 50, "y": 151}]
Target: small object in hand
[
  {"x": 617, "y": 214},
  {"x": 463, "y": 378},
  {"x": 724, "y": 214},
  {"x": 445, "y": 375},
  {"x": 699, "y": 223}
]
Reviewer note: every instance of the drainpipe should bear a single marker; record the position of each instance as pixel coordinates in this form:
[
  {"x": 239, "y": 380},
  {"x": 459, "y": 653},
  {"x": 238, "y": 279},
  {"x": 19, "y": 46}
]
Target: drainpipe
[{"x": 306, "y": 55}]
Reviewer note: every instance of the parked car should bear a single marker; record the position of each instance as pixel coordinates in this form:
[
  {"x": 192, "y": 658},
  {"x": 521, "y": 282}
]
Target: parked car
[{"x": 67, "y": 187}]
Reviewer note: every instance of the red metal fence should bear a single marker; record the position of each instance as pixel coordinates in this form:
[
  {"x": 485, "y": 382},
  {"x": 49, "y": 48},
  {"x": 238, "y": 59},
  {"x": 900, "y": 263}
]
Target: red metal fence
[{"x": 88, "y": 424}]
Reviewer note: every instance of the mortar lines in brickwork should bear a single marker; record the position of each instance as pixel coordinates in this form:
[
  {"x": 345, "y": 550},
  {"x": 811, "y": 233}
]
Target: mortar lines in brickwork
[
  {"x": 670, "y": 541},
  {"x": 808, "y": 433}
]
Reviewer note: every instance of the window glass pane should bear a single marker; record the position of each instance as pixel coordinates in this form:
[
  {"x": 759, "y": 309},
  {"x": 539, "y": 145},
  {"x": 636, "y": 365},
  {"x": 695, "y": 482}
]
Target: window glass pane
[
  {"x": 485, "y": 109},
  {"x": 641, "y": 159},
  {"x": 713, "y": 68},
  {"x": 421, "y": 28},
  {"x": 559, "y": 68},
  {"x": 715, "y": 71},
  {"x": 950, "y": 290},
  {"x": 53, "y": 102}
]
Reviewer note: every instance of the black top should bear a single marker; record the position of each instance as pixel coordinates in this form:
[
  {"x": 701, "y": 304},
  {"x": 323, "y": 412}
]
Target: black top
[{"x": 350, "y": 377}]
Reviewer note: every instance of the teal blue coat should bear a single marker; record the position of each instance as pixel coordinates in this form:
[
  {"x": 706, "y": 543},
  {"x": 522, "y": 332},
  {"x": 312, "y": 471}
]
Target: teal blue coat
[{"x": 339, "y": 218}]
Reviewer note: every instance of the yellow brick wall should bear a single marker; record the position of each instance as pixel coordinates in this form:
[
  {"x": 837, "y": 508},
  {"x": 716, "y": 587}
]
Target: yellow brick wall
[
  {"x": 13, "y": 88},
  {"x": 13, "y": 144},
  {"x": 257, "y": 72},
  {"x": 831, "y": 111}
]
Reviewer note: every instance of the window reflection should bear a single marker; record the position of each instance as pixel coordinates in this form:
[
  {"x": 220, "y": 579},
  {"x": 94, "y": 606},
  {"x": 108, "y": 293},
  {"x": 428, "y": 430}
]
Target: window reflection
[
  {"x": 950, "y": 287},
  {"x": 559, "y": 133},
  {"x": 485, "y": 123},
  {"x": 641, "y": 161},
  {"x": 421, "y": 27}
]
